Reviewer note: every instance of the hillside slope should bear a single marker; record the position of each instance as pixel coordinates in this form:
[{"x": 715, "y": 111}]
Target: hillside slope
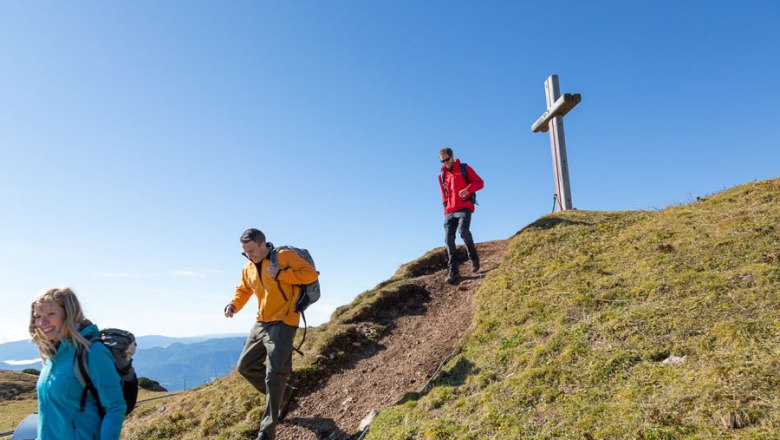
[
  {"x": 384, "y": 345},
  {"x": 647, "y": 325},
  {"x": 17, "y": 398},
  {"x": 595, "y": 325},
  {"x": 15, "y": 385}
]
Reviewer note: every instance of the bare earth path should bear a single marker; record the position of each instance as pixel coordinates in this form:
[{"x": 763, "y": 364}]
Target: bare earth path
[{"x": 423, "y": 329}]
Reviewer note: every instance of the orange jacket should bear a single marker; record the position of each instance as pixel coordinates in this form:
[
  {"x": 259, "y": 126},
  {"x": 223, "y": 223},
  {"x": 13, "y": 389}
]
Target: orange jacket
[{"x": 273, "y": 304}]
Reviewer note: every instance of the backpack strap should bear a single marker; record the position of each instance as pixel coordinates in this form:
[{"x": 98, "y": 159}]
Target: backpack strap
[
  {"x": 81, "y": 369},
  {"x": 274, "y": 257},
  {"x": 303, "y": 339},
  {"x": 465, "y": 172},
  {"x": 443, "y": 187}
]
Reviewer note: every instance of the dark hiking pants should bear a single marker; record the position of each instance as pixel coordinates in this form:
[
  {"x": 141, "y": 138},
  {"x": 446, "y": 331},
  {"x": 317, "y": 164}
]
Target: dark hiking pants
[
  {"x": 460, "y": 220},
  {"x": 266, "y": 362}
]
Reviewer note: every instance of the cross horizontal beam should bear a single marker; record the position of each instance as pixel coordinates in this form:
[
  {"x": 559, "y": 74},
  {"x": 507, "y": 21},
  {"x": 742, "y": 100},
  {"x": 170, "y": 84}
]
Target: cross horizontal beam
[{"x": 562, "y": 105}]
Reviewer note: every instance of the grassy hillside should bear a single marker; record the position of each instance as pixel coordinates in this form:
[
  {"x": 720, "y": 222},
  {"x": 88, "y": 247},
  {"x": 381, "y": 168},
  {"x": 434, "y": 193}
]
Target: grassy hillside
[
  {"x": 229, "y": 408},
  {"x": 571, "y": 335},
  {"x": 572, "y": 332},
  {"x": 17, "y": 398}
]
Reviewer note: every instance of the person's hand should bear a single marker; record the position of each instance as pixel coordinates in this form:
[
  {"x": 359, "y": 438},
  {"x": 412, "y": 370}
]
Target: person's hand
[
  {"x": 230, "y": 310},
  {"x": 273, "y": 270},
  {"x": 464, "y": 193}
]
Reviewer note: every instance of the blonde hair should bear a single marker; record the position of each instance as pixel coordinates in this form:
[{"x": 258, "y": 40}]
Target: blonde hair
[{"x": 74, "y": 317}]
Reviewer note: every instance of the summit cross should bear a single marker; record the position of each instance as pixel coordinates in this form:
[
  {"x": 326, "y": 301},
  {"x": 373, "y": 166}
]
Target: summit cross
[{"x": 552, "y": 121}]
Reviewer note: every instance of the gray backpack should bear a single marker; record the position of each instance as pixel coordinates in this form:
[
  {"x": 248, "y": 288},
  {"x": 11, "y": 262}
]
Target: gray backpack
[
  {"x": 122, "y": 345},
  {"x": 310, "y": 293}
]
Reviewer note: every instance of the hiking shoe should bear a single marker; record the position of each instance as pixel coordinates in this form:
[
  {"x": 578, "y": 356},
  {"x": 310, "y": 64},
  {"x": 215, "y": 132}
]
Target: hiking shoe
[
  {"x": 475, "y": 265},
  {"x": 453, "y": 278},
  {"x": 286, "y": 398}
]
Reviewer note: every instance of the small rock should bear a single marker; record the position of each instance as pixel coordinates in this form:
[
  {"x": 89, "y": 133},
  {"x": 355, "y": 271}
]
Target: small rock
[
  {"x": 347, "y": 401},
  {"x": 674, "y": 360},
  {"x": 366, "y": 422}
]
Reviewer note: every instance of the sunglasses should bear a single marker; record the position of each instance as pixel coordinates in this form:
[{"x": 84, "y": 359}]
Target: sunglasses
[{"x": 446, "y": 160}]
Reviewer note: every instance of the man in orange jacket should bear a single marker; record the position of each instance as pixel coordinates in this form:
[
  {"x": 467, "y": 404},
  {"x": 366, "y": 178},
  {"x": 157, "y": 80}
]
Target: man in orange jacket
[
  {"x": 458, "y": 183},
  {"x": 266, "y": 360}
]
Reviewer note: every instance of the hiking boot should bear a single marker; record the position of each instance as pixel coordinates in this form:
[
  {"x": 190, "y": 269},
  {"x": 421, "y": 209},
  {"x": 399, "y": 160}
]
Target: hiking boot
[
  {"x": 286, "y": 398},
  {"x": 453, "y": 278},
  {"x": 475, "y": 265}
]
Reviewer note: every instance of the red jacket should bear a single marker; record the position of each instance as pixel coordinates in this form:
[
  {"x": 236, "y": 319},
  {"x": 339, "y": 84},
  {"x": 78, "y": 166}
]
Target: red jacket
[{"x": 454, "y": 182}]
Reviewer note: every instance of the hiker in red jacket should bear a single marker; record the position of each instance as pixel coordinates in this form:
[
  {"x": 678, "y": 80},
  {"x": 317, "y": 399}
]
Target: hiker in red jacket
[{"x": 458, "y": 183}]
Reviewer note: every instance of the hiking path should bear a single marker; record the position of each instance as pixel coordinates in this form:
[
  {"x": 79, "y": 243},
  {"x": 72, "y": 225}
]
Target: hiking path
[{"x": 423, "y": 329}]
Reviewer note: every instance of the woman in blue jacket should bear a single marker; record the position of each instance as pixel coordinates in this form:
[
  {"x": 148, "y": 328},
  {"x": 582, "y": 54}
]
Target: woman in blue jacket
[{"x": 57, "y": 326}]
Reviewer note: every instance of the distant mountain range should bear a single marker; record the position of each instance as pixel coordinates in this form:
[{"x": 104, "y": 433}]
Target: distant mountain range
[{"x": 177, "y": 363}]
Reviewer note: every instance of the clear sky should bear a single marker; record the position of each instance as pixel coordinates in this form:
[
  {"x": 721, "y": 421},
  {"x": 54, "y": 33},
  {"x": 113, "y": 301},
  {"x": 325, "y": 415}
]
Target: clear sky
[{"x": 139, "y": 139}]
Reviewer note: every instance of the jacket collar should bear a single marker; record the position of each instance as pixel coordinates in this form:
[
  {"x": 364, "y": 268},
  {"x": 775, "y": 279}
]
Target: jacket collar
[{"x": 455, "y": 166}]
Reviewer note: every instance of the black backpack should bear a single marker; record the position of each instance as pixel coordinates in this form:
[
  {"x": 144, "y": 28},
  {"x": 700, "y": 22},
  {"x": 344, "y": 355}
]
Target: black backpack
[
  {"x": 121, "y": 343},
  {"x": 464, "y": 171}
]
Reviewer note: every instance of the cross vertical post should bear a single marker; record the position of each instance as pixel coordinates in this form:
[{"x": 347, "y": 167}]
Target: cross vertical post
[{"x": 552, "y": 120}]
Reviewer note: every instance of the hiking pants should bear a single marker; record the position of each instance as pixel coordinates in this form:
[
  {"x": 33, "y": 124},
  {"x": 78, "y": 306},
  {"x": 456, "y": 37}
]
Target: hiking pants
[
  {"x": 462, "y": 221},
  {"x": 266, "y": 362}
]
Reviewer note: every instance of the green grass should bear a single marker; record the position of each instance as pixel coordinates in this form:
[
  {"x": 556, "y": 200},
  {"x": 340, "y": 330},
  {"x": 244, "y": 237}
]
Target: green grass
[
  {"x": 570, "y": 332},
  {"x": 230, "y": 409},
  {"x": 22, "y": 386},
  {"x": 12, "y": 412},
  {"x": 569, "y": 336}
]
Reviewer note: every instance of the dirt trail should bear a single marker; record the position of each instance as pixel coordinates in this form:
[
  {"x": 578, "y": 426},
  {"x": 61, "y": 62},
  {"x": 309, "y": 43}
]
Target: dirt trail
[{"x": 423, "y": 329}]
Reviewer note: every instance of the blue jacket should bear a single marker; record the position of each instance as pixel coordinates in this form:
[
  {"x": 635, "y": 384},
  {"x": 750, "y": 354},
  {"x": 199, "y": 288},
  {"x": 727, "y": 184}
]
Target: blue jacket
[{"x": 59, "y": 395}]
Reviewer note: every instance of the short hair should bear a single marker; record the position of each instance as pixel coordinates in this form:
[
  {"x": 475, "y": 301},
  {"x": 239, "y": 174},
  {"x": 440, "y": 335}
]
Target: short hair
[
  {"x": 446, "y": 150},
  {"x": 252, "y": 234},
  {"x": 64, "y": 298}
]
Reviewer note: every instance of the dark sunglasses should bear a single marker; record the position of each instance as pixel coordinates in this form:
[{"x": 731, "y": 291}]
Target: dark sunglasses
[{"x": 446, "y": 160}]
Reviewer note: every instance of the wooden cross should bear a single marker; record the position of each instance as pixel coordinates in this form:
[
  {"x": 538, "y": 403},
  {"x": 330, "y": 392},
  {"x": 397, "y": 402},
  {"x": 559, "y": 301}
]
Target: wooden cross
[{"x": 552, "y": 120}]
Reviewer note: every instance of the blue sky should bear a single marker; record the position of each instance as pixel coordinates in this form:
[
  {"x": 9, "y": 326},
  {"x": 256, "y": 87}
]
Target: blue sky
[{"x": 139, "y": 139}]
